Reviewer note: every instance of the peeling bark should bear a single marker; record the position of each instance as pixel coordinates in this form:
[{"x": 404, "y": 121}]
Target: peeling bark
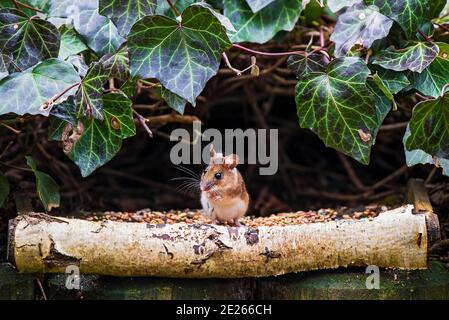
[{"x": 395, "y": 239}]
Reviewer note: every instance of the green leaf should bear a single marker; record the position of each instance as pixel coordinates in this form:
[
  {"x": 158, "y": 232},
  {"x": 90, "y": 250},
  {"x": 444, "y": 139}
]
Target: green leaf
[
  {"x": 4, "y": 189},
  {"x": 100, "y": 140},
  {"x": 383, "y": 99},
  {"x": 337, "y": 5},
  {"x": 117, "y": 64},
  {"x": 304, "y": 64},
  {"x": 260, "y": 27},
  {"x": 182, "y": 56},
  {"x": 78, "y": 62},
  {"x": 90, "y": 93},
  {"x": 432, "y": 79},
  {"x": 5, "y": 62},
  {"x": 66, "y": 111},
  {"x": 414, "y": 157},
  {"x": 163, "y": 8},
  {"x": 29, "y": 40},
  {"x": 26, "y": 92},
  {"x": 409, "y": 14},
  {"x": 429, "y": 127},
  {"x": 100, "y": 33},
  {"x": 38, "y": 4},
  {"x": 47, "y": 188},
  {"x": 129, "y": 87},
  {"x": 337, "y": 105},
  {"x": 394, "y": 81},
  {"x": 415, "y": 57},
  {"x": 174, "y": 101},
  {"x": 257, "y": 5},
  {"x": 71, "y": 43},
  {"x": 124, "y": 13},
  {"x": 359, "y": 25}
]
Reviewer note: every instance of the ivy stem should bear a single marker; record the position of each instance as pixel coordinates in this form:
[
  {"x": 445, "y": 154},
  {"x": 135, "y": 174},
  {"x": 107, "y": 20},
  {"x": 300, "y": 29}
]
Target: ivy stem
[
  {"x": 229, "y": 65},
  {"x": 47, "y": 104},
  {"x": 19, "y": 4},
  {"x": 443, "y": 90},
  {"x": 272, "y": 54},
  {"x": 14, "y": 167},
  {"x": 442, "y": 26},
  {"x": 172, "y": 6},
  {"x": 424, "y": 36},
  {"x": 143, "y": 122}
]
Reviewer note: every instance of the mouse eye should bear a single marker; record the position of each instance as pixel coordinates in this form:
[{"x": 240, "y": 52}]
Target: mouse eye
[{"x": 218, "y": 175}]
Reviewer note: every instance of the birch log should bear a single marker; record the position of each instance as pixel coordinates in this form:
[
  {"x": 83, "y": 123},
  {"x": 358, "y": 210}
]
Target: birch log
[{"x": 45, "y": 244}]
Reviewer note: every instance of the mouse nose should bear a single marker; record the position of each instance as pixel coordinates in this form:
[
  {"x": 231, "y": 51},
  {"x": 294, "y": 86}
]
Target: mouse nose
[{"x": 204, "y": 186}]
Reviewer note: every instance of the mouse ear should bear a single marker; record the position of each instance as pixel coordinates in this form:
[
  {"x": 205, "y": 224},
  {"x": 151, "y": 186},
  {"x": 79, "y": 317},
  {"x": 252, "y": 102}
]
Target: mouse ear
[
  {"x": 212, "y": 152},
  {"x": 231, "y": 161}
]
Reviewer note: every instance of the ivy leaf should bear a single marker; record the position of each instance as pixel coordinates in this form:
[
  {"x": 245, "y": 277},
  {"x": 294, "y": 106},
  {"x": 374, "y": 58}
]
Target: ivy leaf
[
  {"x": 90, "y": 93},
  {"x": 257, "y": 5},
  {"x": 5, "y": 62},
  {"x": 409, "y": 14},
  {"x": 29, "y": 40},
  {"x": 359, "y": 25},
  {"x": 163, "y": 7},
  {"x": 383, "y": 99},
  {"x": 394, "y": 81},
  {"x": 71, "y": 43},
  {"x": 26, "y": 92},
  {"x": 337, "y": 5},
  {"x": 66, "y": 111},
  {"x": 124, "y": 13},
  {"x": 4, "y": 189},
  {"x": 100, "y": 33},
  {"x": 414, "y": 157},
  {"x": 100, "y": 140},
  {"x": 415, "y": 57},
  {"x": 78, "y": 62},
  {"x": 182, "y": 56},
  {"x": 47, "y": 188},
  {"x": 117, "y": 64},
  {"x": 38, "y": 4},
  {"x": 260, "y": 27},
  {"x": 174, "y": 101},
  {"x": 337, "y": 105},
  {"x": 429, "y": 127},
  {"x": 305, "y": 64},
  {"x": 431, "y": 80}
]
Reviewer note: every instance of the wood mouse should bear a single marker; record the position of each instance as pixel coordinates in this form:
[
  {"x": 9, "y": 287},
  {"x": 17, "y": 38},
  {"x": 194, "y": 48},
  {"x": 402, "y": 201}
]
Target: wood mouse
[{"x": 223, "y": 192}]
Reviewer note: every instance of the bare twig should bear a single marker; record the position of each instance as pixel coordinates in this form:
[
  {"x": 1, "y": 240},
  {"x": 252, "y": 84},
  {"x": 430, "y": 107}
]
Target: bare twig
[{"x": 351, "y": 173}]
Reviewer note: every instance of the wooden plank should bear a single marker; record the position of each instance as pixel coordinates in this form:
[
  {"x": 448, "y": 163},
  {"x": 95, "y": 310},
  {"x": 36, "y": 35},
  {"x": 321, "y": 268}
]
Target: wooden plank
[
  {"x": 350, "y": 284},
  {"x": 141, "y": 288},
  {"x": 15, "y": 286}
]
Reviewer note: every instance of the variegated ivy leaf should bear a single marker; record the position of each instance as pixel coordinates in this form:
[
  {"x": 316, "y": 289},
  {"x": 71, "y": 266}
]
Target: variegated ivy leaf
[
  {"x": 89, "y": 97},
  {"x": 184, "y": 55},
  {"x": 414, "y": 157},
  {"x": 429, "y": 127},
  {"x": 124, "y": 13},
  {"x": 260, "y": 27},
  {"x": 80, "y": 65},
  {"x": 337, "y": 105},
  {"x": 394, "y": 81},
  {"x": 359, "y": 25},
  {"x": 431, "y": 80},
  {"x": 27, "y": 91},
  {"x": 304, "y": 64},
  {"x": 47, "y": 189},
  {"x": 70, "y": 8},
  {"x": 71, "y": 43},
  {"x": 337, "y": 5},
  {"x": 117, "y": 64},
  {"x": 257, "y": 5},
  {"x": 409, "y": 14},
  {"x": 415, "y": 57},
  {"x": 29, "y": 40},
  {"x": 98, "y": 141}
]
